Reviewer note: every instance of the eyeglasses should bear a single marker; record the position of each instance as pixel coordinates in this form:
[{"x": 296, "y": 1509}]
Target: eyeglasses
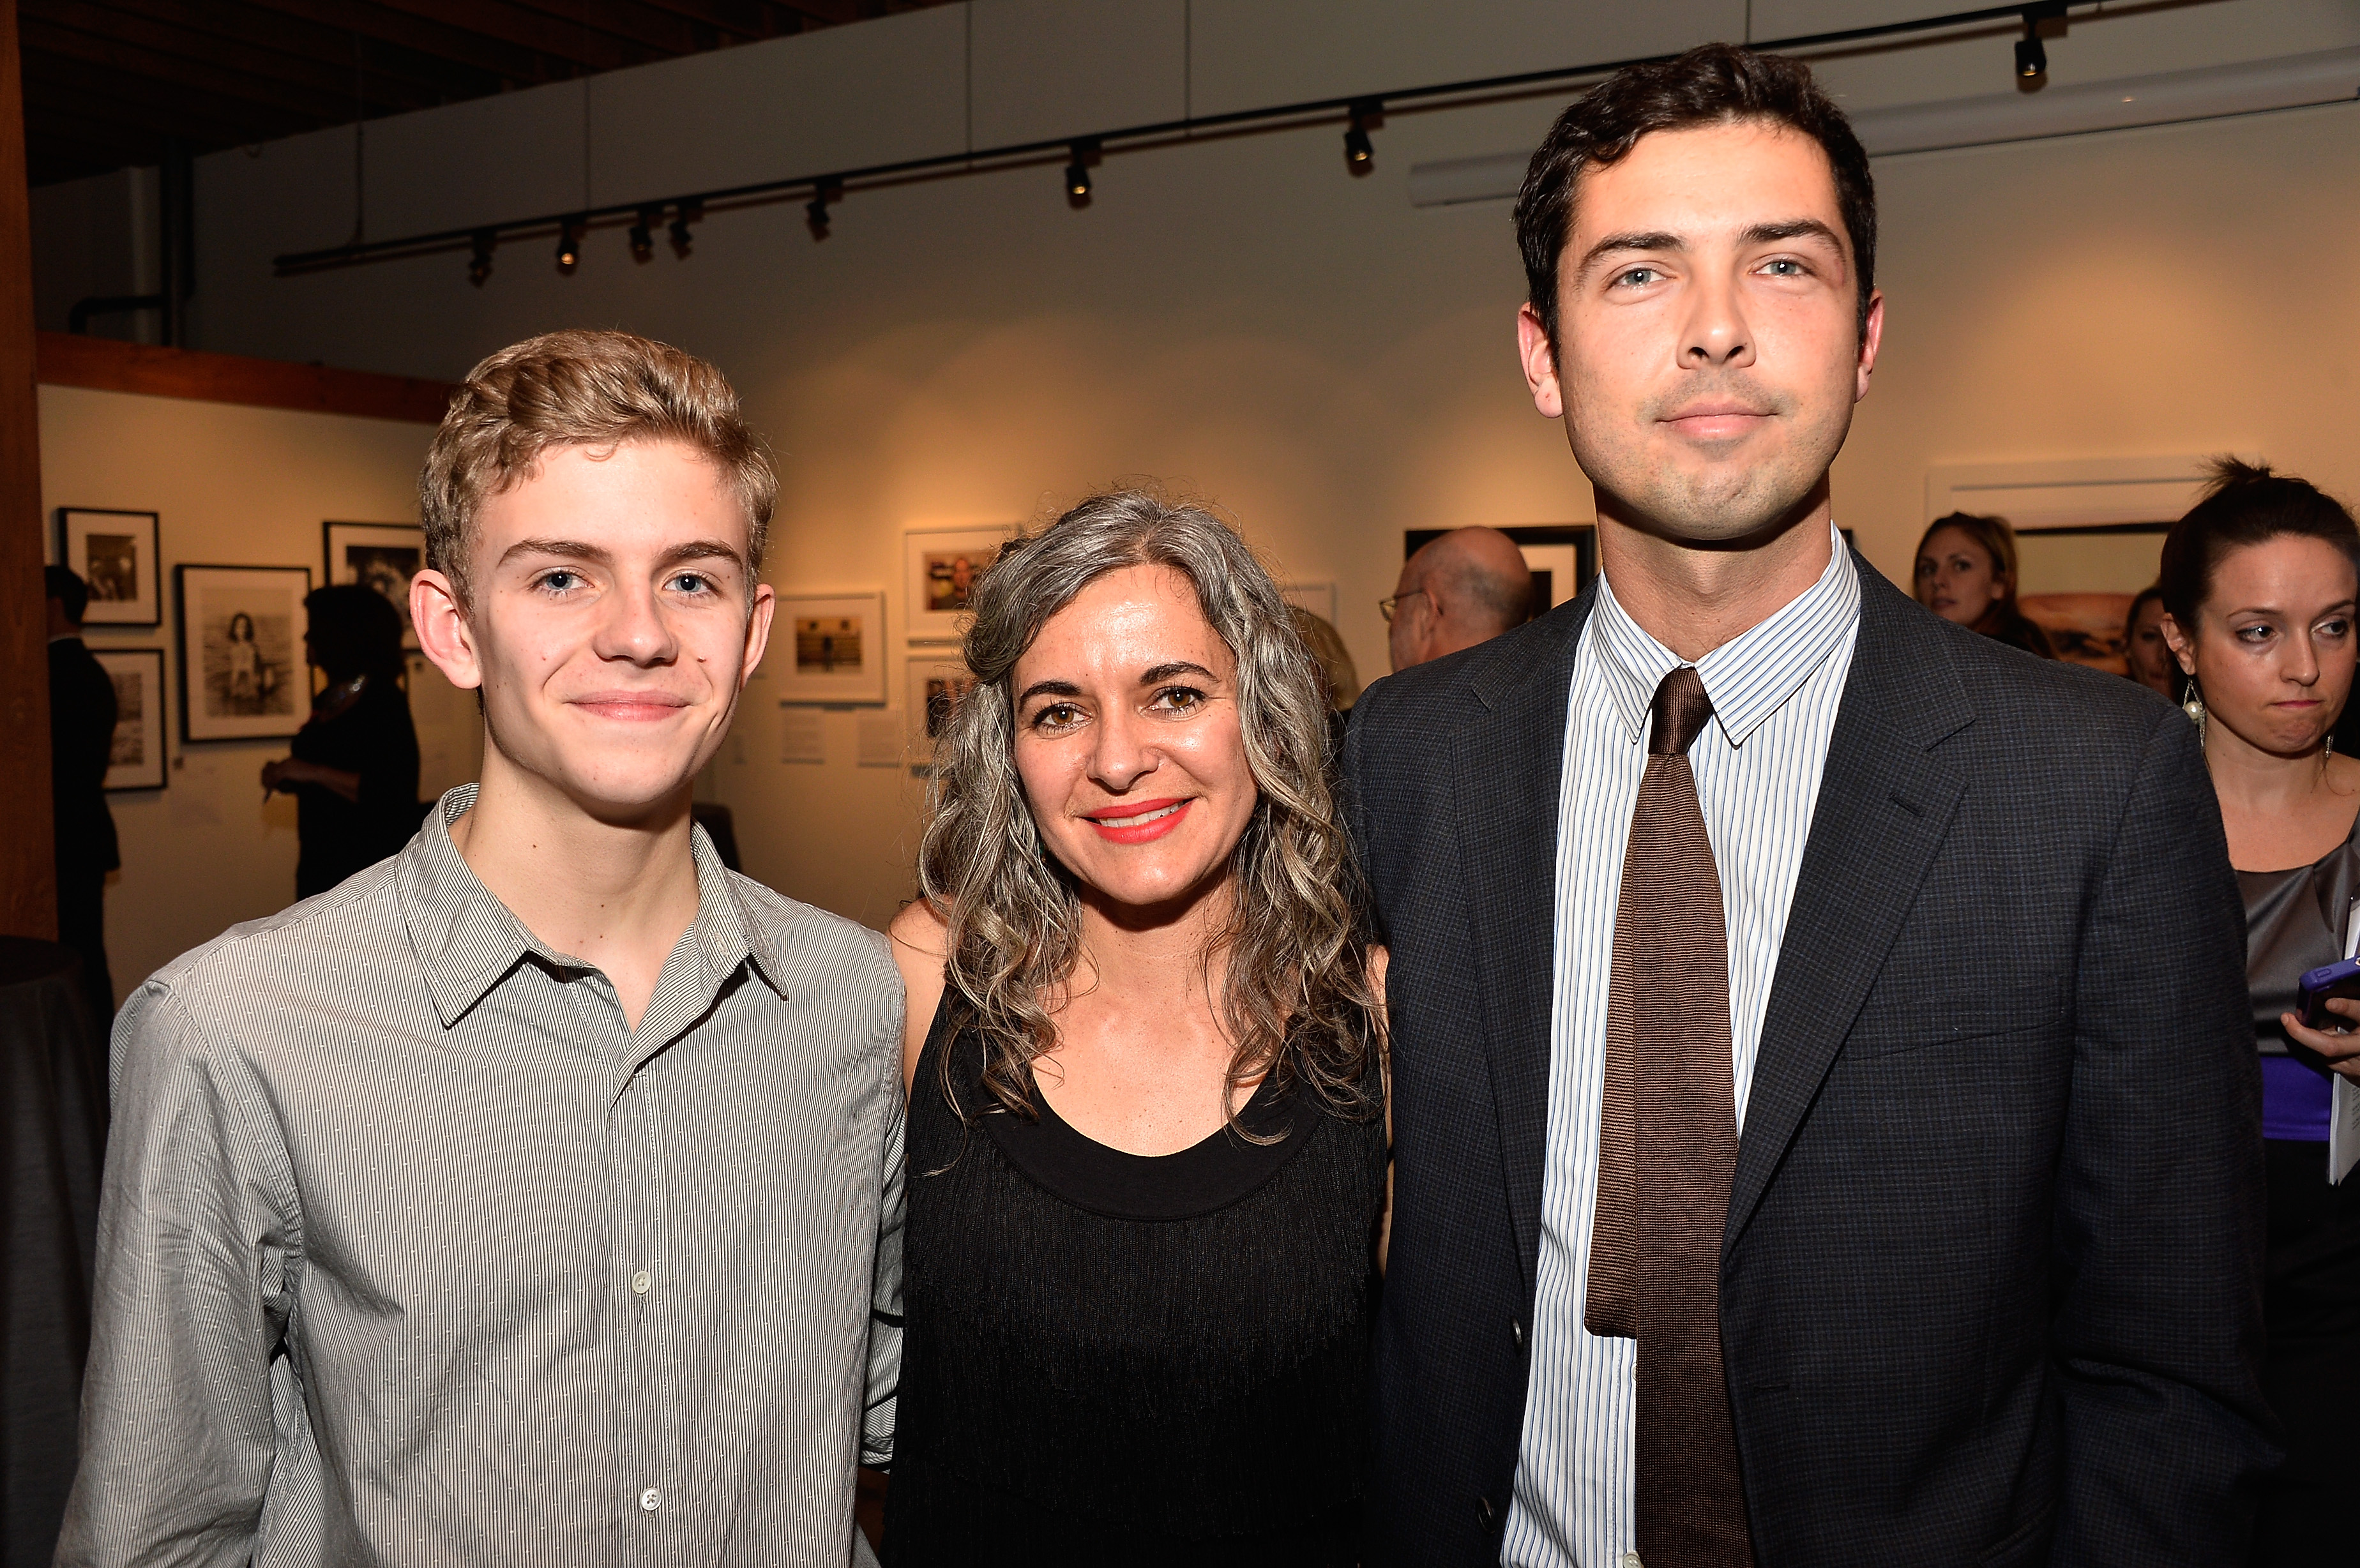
[{"x": 1385, "y": 607}]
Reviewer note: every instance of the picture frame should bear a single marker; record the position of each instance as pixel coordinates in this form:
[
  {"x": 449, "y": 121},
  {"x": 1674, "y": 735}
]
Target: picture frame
[
  {"x": 1562, "y": 557},
  {"x": 136, "y": 760},
  {"x": 383, "y": 556},
  {"x": 243, "y": 673},
  {"x": 935, "y": 683},
  {"x": 829, "y": 648},
  {"x": 940, "y": 564},
  {"x": 115, "y": 553}
]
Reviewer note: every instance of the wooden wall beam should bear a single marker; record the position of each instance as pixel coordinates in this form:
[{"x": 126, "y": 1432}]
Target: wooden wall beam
[
  {"x": 29, "y": 871},
  {"x": 68, "y": 359}
]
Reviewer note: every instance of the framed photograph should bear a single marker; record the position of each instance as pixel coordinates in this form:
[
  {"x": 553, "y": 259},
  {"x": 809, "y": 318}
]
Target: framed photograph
[
  {"x": 942, "y": 563},
  {"x": 114, "y": 552},
  {"x": 136, "y": 761},
  {"x": 2079, "y": 582},
  {"x": 383, "y": 556},
  {"x": 829, "y": 648},
  {"x": 243, "y": 676},
  {"x": 937, "y": 684}
]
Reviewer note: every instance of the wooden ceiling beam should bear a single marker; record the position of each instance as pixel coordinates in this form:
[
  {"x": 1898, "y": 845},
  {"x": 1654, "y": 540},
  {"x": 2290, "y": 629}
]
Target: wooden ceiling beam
[
  {"x": 659, "y": 27},
  {"x": 134, "y": 64},
  {"x": 438, "y": 40},
  {"x": 505, "y": 22},
  {"x": 742, "y": 19},
  {"x": 234, "y": 34},
  {"x": 68, "y": 87}
]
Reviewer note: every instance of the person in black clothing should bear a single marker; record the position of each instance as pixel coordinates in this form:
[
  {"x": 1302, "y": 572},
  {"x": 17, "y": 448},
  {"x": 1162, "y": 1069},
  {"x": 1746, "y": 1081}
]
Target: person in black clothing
[
  {"x": 354, "y": 773},
  {"x": 2261, "y": 587},
  {"x": 1147, "y": 1147},
  {"x": 81, "y": 740}
]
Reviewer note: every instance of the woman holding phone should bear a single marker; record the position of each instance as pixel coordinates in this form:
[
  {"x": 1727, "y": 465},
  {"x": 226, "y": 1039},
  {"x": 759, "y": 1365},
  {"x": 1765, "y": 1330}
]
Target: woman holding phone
[{"x": 2259, "y": 583}]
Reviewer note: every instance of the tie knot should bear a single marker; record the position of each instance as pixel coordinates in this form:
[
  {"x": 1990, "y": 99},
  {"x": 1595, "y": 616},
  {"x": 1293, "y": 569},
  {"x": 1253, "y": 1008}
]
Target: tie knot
[{"x": 1680, "y": 710}]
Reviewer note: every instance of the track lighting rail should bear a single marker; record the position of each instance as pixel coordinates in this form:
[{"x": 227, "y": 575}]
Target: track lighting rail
[{"x": 1360, "y": 110}]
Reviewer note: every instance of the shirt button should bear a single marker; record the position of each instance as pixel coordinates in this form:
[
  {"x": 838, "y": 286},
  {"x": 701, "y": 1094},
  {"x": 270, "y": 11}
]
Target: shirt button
[
  {"x": 1630, "y": 1559},
  {"x": 641, "y": 1282},
  {"x": 650, "y": 1500}
]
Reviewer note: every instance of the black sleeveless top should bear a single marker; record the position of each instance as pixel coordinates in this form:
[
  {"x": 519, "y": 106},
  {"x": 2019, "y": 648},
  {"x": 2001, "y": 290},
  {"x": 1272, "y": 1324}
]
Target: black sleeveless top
[{"x": 1113, "y": 1358}]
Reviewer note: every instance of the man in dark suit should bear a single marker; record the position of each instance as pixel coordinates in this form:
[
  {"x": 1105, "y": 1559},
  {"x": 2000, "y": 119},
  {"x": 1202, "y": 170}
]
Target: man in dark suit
[
  {"x": 82, "y": 739},
  {"x": 1826, "y": 1132}
]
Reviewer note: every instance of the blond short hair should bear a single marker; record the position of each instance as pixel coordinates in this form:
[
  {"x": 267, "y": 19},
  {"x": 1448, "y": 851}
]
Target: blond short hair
[{"x": 581, "y": 389}]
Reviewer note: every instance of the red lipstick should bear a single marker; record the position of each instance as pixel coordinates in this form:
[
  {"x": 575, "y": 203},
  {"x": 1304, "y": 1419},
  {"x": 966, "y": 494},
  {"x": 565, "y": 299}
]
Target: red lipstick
[{"x": 1137, "y": 821}]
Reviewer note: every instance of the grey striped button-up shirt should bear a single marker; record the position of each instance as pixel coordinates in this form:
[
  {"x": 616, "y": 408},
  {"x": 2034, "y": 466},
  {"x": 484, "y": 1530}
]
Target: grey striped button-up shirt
[
  {"x": 411, "y": 1251},
  {"x": 1774, "y": 692}
]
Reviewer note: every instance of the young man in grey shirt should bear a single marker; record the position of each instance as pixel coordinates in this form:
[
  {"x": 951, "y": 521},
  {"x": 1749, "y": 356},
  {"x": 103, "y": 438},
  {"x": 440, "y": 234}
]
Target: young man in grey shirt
[{"x": 533, "y": 1197}]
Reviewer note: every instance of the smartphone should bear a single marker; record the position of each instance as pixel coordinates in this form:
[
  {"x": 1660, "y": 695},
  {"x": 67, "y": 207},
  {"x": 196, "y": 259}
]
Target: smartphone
[{"x": 2319, "y": 985}]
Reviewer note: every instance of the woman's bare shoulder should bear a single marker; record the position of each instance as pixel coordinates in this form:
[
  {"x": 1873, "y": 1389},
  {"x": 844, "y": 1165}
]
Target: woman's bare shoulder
[{"x": 917, "y": 936}]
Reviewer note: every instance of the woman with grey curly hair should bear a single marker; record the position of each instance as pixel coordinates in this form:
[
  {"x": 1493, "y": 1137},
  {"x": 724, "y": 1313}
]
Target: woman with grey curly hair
[{"x": 1146, "y": 1134}]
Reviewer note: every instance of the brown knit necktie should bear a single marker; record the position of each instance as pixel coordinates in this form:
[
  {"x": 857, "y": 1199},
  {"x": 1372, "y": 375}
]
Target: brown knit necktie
[{"x": 1668, "y": 1150}]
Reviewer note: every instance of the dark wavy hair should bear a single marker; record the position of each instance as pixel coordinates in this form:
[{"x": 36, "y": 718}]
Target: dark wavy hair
[
  {"x": 1298, "y": 999},
  {"x": 1711, "y": 85},
  {"x": 353, "y": 630},
  {"x": 2246, "y": 504}
]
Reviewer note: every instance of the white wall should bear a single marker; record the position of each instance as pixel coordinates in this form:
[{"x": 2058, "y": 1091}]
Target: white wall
[
  {"x": 232, "y": 486},
  {"x": 1242, "y": 319}
]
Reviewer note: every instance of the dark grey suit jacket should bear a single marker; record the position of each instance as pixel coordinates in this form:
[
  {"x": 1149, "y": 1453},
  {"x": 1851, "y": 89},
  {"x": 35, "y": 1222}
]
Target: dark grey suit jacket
[{"x": 1990, "y": 1283}]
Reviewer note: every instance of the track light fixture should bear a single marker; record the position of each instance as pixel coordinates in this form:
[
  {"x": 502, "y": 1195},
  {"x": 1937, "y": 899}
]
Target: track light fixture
[
  {"x": 687, "y": 212},
  {"x": 1359, "y": 153},
  {"x": 643, "y": 234},
  {"x": 1077, "y": 172},
  {"x": 815, "y": 210},
  {"x": 569, "y": 243},
  {"x": 2031, "y": 54},
  {"x": 479, "y": 264}
]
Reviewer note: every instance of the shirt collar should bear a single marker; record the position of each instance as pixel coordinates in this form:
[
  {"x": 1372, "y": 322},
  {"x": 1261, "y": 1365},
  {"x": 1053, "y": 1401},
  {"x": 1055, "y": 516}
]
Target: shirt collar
[
  {"x": 468, "y": 941},
  {"x": 1750, "y": 676}
]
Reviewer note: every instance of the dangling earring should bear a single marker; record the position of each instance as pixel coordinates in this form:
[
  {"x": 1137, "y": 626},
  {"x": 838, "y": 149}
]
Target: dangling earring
[{"x": 2194, "y": 709}]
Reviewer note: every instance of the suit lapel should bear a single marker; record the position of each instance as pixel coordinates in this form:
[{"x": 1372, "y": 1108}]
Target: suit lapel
[
  {"x": 1880, "y": 789},
  {"x": 1510, "y": 765}
]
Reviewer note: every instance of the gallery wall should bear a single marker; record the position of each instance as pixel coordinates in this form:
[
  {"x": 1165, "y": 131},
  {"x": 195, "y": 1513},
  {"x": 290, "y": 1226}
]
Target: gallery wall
[
  {"x": 1240, "y": 318},
  {"x": 231, "y": 486}
]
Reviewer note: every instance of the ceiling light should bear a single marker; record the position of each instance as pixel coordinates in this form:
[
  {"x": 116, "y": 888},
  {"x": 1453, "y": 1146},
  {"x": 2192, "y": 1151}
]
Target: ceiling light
[
  {"x": 643, "y": 234},
  {"x": 569, "y": 243},
  {"x": 479, "y": 265},
  {"x": 2031, "y": 54},
  {"x": 1359, "y": 153},
  {"x": 815, "y": 210},
  {"x": 684, "y": 214},
  {"x": 1077, "y": 172}
]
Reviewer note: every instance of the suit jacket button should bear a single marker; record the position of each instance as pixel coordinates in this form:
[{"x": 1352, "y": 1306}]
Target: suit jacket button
[{"x": 1518, "y": 1330}]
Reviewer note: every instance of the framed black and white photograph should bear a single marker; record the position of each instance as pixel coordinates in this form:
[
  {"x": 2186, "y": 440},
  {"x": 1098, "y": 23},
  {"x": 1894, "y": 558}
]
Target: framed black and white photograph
[
  {"x": 942, "y": 564},
  {"x": 136, "y": 760},
  {"x": 115, "y": 553},
  {"x": 243, "y": 675},
  {"x": 828, "y": 648},
  {"x": 938, "y": 682},
  {"x": 383, "y": 556}
]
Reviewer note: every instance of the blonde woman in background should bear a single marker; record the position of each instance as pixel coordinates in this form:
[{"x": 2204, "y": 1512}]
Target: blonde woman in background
[
  {"x": 1147, "y": 1141},
  {"x": 1967, "y": 573}
]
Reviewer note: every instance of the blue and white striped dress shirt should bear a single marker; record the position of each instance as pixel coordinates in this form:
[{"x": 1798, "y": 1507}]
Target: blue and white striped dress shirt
[{"x": 1774, "y": 692}]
